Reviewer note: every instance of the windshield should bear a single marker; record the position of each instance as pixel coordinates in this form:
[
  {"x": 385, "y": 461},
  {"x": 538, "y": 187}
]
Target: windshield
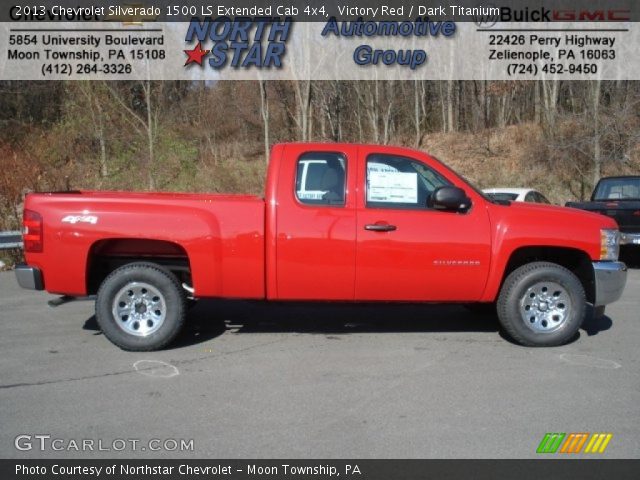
[
  {"x": 473, "y": 187},
  {"x": 488, "y": 198},
  {"x": 618, "y": 189}
]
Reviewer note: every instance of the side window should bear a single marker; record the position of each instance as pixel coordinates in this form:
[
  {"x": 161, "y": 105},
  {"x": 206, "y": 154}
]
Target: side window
[
  {"x": 399, "y": 182},
  {"x": 541, "y": 198},
  {"x": 530, "y": 197},
  {"x": 321, "y": 178}
]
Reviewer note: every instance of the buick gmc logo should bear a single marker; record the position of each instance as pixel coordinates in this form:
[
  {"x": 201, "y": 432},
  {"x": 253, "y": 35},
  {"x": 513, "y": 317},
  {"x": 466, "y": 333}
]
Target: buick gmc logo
[
  {"x": 542, "y": 14},
  {"x": 509, "y": 14}
]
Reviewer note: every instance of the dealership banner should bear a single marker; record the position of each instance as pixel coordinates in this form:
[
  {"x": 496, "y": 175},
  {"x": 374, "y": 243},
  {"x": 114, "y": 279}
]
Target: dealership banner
[{"x": 397, "y": 40}]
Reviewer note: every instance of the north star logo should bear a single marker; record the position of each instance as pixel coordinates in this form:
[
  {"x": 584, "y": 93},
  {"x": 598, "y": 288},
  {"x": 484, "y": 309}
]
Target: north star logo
[{"x": 240, "y": 43}]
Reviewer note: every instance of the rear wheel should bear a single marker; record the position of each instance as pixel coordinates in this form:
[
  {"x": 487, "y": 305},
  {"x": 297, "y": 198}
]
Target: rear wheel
[
  {"x": 541, "y": 304},
  {"x": 141, "y": 307}
]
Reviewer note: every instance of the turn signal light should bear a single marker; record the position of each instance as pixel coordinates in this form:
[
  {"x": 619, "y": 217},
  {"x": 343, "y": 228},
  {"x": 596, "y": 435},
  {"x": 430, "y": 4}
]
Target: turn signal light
[{"x": 609, "y": 244}]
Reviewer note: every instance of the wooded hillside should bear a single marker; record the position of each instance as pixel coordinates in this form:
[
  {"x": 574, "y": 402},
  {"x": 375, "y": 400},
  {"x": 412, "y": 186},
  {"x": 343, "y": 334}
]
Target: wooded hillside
[{"x": 559, "y": 137}]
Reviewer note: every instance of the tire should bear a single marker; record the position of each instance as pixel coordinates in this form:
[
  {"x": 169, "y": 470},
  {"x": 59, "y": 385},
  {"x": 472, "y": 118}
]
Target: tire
[
  {"x": 541, "y": 304},
  {"x": 141, "y": 307}
]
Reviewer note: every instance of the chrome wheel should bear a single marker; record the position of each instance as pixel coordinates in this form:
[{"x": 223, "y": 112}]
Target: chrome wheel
[
  {"x": 545, "y": 307},
  {"x": 139, "y": 309}
]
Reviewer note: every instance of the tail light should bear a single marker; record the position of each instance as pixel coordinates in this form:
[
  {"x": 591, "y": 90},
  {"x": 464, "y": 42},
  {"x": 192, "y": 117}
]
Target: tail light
[{"x": 32, "y": 231}]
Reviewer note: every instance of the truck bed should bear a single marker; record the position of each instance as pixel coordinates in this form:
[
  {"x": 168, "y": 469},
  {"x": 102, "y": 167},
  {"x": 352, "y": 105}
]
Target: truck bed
[{"x": 221, "y": 235}]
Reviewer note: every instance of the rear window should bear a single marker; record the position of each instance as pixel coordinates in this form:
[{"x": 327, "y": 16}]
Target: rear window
[
  {"x": 321, "y": 178},
  {"x": 618, "y": 189}
]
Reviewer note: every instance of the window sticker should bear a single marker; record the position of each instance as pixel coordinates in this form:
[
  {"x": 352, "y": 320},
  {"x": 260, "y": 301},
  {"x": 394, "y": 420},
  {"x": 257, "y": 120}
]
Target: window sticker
[
  {"x": 392, "y": 187},
  {"x": 310, "y": 174},
  {"x": 379, "y": 167}
]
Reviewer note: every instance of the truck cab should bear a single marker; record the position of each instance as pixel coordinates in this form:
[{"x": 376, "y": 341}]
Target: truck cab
[{"x": 618, "y": 198}]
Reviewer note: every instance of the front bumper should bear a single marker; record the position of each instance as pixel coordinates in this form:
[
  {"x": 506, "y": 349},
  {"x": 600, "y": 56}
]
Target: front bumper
[
  {"x": 629, "y": 238},
  {"x": 610, "y": 279},
  {"x": 29, "y": 277}
]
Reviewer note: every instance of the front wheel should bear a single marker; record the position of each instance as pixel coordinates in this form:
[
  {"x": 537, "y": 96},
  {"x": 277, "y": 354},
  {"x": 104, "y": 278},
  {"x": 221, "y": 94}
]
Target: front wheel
[
  {"x": 541, "y": 305},
  {"x": 140, "y": 307}
]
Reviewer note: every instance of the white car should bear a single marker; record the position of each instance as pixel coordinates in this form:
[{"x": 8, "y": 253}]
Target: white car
[{"x": 516, "y": 195}]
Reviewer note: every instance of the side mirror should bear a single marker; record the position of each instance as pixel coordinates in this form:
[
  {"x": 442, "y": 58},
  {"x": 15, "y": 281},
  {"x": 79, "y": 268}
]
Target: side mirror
[{"x": 449, "y": 198}]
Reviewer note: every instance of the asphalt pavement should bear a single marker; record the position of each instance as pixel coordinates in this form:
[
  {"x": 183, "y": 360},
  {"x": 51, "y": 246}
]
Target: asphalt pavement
[{"x": 248, "y": 380}]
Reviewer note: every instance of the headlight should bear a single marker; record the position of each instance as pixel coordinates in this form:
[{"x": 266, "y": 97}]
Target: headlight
[{"x": 609, "y": 244}]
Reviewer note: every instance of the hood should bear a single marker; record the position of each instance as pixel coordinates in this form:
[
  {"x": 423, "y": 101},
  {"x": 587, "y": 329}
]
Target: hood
[{"x": 537, "y": 224}]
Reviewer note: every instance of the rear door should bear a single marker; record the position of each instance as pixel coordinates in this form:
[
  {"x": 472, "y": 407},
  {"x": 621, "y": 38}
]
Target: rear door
[
  {"x": 407, "y": 251},
  {"x": 316, "y": 223}
]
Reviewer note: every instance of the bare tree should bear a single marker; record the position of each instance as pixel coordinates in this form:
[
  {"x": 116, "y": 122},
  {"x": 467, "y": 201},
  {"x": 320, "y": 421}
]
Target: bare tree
[
  {"x": 92, "y": 93},
  {"x": 450, "y": 102},
  {"x": 368, "y": 94},
  {"x": 264, "y": 111},
  {"x": 550, "y": 97},
  {"x": 419, "y": 109},
  {"x": 145, "y": 122},
  {"x": 594, "y": 88}
]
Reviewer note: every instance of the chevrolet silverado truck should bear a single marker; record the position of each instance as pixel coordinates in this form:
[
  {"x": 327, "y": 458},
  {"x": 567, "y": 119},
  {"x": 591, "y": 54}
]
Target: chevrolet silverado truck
[
  {"x": 618, "y": 198},
  {"x": 339, "y": 222}
]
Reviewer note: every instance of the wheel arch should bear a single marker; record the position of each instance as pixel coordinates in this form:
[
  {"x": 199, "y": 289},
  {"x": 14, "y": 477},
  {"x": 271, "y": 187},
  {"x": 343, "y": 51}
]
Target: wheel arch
[
  {"x": 106, "y": 255},
  {"x": 575, "y": 260}
]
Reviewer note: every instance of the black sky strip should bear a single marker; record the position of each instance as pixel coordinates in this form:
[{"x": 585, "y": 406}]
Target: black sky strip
[{"x": 398, "y": 10}]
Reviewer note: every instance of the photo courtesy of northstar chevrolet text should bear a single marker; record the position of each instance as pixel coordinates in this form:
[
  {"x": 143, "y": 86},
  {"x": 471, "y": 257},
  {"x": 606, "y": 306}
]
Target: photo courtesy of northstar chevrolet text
[{"x": 385, "y": 239}]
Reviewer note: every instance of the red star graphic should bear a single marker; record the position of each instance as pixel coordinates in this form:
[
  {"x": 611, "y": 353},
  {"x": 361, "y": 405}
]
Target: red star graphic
[{"x": 195, "y": 55}]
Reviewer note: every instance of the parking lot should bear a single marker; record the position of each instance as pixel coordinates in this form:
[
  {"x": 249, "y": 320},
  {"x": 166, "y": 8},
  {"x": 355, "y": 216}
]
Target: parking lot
[{"x": 248, "y": 380}]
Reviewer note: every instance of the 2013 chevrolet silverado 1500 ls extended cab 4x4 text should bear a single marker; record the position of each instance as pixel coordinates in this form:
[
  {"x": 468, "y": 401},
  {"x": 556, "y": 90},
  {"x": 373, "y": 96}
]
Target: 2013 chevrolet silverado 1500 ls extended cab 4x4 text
[{"x": 339, "y": 222}]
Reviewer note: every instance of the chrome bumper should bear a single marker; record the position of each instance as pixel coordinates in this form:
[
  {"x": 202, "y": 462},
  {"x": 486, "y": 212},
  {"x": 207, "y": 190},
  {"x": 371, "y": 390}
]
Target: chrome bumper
[
  {"x": 629, "y": 238},
  {"x": 610, "y": 279},
  {"x": 29, "y": 277}
]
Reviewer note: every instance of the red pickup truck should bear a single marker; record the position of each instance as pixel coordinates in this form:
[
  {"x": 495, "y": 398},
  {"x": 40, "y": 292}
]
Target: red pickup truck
[{"x": 339, "y": 222}]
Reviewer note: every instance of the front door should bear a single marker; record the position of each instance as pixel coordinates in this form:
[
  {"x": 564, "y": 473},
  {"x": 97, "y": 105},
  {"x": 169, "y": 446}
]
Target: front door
[{"x": 407, "y": 251}]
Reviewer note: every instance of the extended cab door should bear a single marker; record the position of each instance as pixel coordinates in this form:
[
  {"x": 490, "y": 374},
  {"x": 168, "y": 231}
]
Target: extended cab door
[
  {"x": 316, "y": 223},
  {"x": 407, "y": 251}
]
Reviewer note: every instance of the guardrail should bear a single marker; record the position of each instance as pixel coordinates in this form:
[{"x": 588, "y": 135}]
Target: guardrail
[{"x": 10, "y": 240}]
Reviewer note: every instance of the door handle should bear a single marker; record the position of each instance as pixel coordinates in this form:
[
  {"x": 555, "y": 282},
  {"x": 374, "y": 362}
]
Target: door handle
[{"x": 380, "y": 227}]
